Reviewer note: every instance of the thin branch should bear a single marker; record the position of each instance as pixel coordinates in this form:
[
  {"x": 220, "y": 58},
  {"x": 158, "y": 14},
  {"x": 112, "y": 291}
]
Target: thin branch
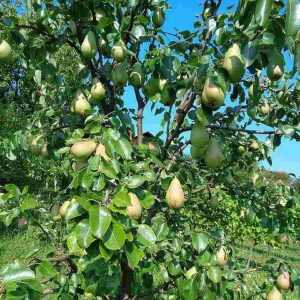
[{"x": 140, "y": 114}]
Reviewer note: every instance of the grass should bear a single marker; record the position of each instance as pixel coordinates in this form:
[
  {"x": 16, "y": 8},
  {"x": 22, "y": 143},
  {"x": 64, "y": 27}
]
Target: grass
[{"x": 20, "y": 244}]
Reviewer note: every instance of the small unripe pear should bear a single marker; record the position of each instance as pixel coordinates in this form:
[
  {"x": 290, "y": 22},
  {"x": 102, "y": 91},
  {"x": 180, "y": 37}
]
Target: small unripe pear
[
  {"x": 64, "y": 207},
  {"x": 134, "y": 210},
  {"x": 233, "y": 63},
  {"x": 275, "y": 66},
  {"x": 83, "y": 149},
  {"x": 222, "y": 257},
  {"x": 158, "y": 17},
  {"x": 214, "y": 156},
  {"x": 254, "y": 145},
  {"x": 283, "y": 281},
  {"x": 89, "y": 46},
  {"x": 175, "y": 195},
  {"x": 274, "y": 294},
  {"x": 5, "y": 51},
  {"x": 119, "y": 74},
  {"x": 81, "y": 105},
  {"x": 137, "y": 76},
  {"x": 101, "y": 151},
  {"x": 265, "y": 108},
  {"x": 212, "y": 95},
  {"x": 199, "y": 136},
  {"x": 118, "y": 53},
  {"x": 98, "y": 90},
  {"x": 197, "y": 153}
]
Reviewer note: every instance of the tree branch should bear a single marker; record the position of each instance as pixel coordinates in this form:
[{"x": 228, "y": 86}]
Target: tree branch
[{"x": 140, "y": 114}]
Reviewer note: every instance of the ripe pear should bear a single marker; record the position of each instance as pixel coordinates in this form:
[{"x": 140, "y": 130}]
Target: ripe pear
[
  {"x": 275, "y": 66},
  {"x": 199, "y": 136},
  {"x": 98, "y": 90},
  {"x": 234, "y": 63},
  {"x": 83, "y": 149},
  {"x": 158, "y": 17},
  {"x": 101, "y": 151},
  {"x": 119, "y": 74},
  {"x": 197, "y": 153},
  {"x": 274, "y": 294},
  {"x": 254, "y": 145},
  {"x": 213, "y": 156},
  {"x": 89, "y": 46},
  {"x": 81, "y": 105},
  {"x": 283, "y": 281},
  {"x": 118, "y": 53},
  {"x": 222, "y": 257},
  {"x": 212, "y": 95},
  {"x": 175, "y": 195},
  {"x": 134, "y": 210},
  {"x": 63, "y": 209},
  {"x": 137, "y": 76},
  {"x": 5, "y": 51}
]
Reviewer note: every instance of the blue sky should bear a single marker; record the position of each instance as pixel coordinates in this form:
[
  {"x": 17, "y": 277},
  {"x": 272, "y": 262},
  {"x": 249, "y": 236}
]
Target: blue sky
[{"x": 181, "y": 16}]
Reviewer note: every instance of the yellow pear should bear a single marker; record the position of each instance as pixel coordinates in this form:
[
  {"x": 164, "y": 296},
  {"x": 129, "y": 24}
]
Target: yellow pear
[
  {"x": 175, "y": 195},
  {"x": 212, "y": 95},
  {"x": 283, "y": 281},
  {"x": 234, "y": 63},
  {"x": 5, "y": 50},
  {"x": 254, "y": 145},
  {"x": 222, "y": 257},
  {"x": 199, "y": 136},
  {"x": 89, "y": 46},
  {"x": 63, "y": 209},
  {"x": 134, "y": 210},
  {"x": 81, "y": 105},
  {"x": 274, "y": 294},
  {"x": 101, "y": 151},
  {"x": 83, "y": 149},
  {"x": 118, "y": 53},
  {"x": 98, "y": 90},
  {"x": 213, "y": 156}
]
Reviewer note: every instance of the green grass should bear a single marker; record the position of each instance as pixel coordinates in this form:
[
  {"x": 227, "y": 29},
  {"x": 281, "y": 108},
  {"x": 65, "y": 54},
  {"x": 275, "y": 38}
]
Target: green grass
[{"x": 20, "y": 244}]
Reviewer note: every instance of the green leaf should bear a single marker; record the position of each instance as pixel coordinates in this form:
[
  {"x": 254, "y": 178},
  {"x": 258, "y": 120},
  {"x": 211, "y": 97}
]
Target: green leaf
[
  {"x": 134, "y": 255},
  {"x": 99, "y": 184},
  {"x": 73, "y": 246},
  {"x": 100, "y": 220},
  {"x": 46, "y": 271},
  {"x": 188, "y": 288},
  {"x": 114, "y": 238},
  {"x": 204, "y": 259},
  {"x": 108, "y": 169},
  {"x": 16, "y": 272},
  {"x": 74, "y": 210},
  {"x": 13, "y": 190},
  {"x": 146, "y": 236},
  {"x": 124, "y": 148},
  {"x": 104, "y": 252},
  {"x": 83, "y": 234},
  {"x": 160, "y": 227},
  {"x": 29, "y": 202},
  {"x": 200, "y": 241},
  {"x": 121, "y": 199},
  {"x": 147, "y": 199},
  {"x": 214, "y": 273},
  {"x": 87, "y": 179},
  {"x": 135, "y": 181}
]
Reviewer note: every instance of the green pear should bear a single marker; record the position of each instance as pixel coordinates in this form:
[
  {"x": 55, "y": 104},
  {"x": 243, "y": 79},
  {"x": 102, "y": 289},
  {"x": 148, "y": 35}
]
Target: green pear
[
  {"x": 198, "y": 153},
  {"x": 151, "y": 87},
  {"x": 212, "y": 94},
  {"x": 118, "y": 53},
  {"x": 89, "y": 46},
  {"x": 199, "y": 136},
  {"x": 175, "y": 195},
  {"x": 5, "y": 51},
  {"x": 213, "y": 156},
  {"x": 275, "y": 66},
  {"x": 36, "y": 144},
  {"x": 234, "y": 63},
  {"x": 137, "y": 76},
  {"x": 158, "y": 17},
  {"x": 83, "y": 149},
  {"x": 81, "y": 105},
  {"x": 119, "y": 74},
  {"x": 98, "y": 90}
]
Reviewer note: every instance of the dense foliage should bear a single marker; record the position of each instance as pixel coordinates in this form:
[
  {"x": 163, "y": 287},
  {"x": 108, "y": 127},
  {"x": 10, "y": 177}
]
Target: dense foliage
[{"x": 135, "y": 214}]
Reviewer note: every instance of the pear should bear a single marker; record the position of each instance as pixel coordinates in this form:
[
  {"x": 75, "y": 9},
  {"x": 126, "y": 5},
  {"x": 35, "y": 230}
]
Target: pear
[
  {"x": 254, "y": 145},
  {"x": 5, "y": 51},
  {"x": 64, "y": 207},
  {"x": 81, "y": 105},
  {"x": 134, "y": 210},
  {"x": 251, "y": 91},
  {"x": 118, "y": 53},
  {"x": 158, "y": 17},
  {"x": 175, "y": 195},
  {"x": 36, "y": 144},
  {"x": 213, "y": 156},
  {"x": 98, "y": 90},
  {"x": 212, "y": 95},
  {"x": 234, "y": 63},
  {"x": 275, "y": 66},
  {"x": 83, "y": 149},
  {"x": 197, "y": 153},
  {"x": 265, "y": 109},
  {"x": 89, "y": 46},
  {"x": 137, "y": 76},
  {"x": 101, "y": 151},
  {"x": 221, "y": 257},
  {"x": 283, "y": 281},
  {"x": 274, "y": 294},
  {"x": 151, "y": 87},
  {"x": 103, "y": 46},
  {"x": 119, "y": 74},
  {"x": 199, "y": 136}
]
